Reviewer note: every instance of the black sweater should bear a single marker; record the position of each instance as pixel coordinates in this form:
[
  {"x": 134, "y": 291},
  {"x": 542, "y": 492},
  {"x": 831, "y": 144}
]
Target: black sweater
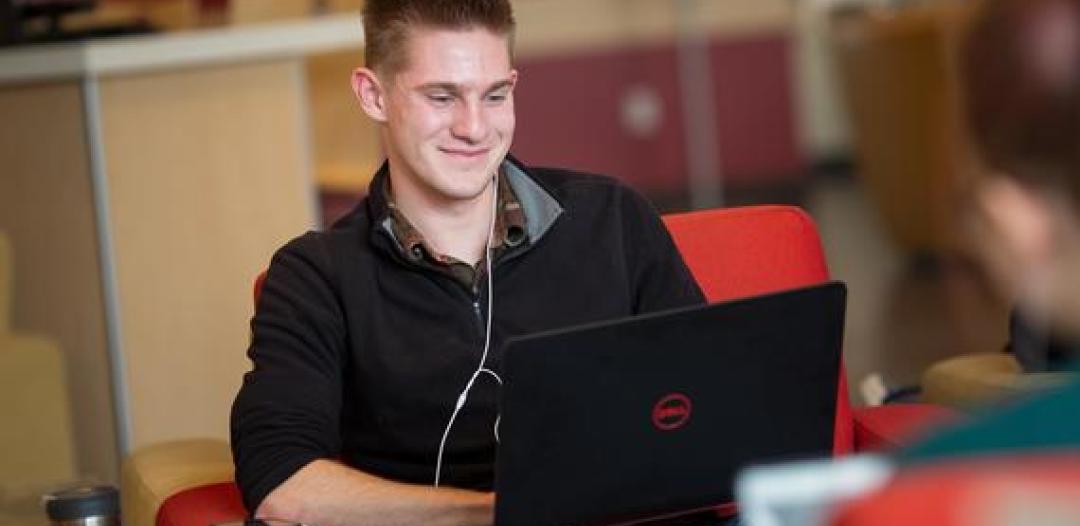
[{"x": 360, "y": 354}]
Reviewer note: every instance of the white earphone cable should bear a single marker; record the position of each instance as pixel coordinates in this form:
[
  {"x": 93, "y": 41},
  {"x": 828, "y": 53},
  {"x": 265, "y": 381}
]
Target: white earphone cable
[{"x": 480, "y": 369}]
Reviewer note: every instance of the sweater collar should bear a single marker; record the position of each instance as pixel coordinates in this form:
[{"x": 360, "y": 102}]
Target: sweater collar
[{"x": 539, "y": 205}]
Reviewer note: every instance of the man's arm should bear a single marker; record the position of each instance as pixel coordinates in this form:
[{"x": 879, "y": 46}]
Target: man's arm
[
  {"x": 326, "y": 493},
  {"x": 660, "y": 277},
  {"x": 287, "y": 416}
]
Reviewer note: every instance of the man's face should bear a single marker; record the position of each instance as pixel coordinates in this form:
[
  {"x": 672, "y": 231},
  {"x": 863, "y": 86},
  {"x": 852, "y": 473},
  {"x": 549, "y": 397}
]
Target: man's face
[{"x": 450, "y": 112}]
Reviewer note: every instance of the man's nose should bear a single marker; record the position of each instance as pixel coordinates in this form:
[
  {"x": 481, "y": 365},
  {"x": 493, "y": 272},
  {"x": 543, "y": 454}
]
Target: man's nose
[{"x": 470, "y": 123}]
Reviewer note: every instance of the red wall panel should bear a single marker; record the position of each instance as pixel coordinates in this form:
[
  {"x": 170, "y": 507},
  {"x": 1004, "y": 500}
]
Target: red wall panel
[
  {"x": 755, "y": 113},
  {"x": 570, "y": 113}
]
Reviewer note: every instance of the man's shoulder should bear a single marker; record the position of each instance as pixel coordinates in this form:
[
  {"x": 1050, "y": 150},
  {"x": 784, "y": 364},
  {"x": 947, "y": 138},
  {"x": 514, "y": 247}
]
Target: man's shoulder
[
  {"x": 565, "y": 178},
  {"x": 575, "y": 188},
  {"x": 343, "y": 236}
]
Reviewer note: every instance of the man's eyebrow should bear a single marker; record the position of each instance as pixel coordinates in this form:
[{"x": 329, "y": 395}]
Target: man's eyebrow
[
  {"x": 454, "y": 88},
  {"x": 441, "y": 86},
  {"x": 505, "y": 83}
]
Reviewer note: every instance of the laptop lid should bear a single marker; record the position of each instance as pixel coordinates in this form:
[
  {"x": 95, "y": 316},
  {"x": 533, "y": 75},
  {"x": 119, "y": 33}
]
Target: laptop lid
[{"x": 616, "y": 421}]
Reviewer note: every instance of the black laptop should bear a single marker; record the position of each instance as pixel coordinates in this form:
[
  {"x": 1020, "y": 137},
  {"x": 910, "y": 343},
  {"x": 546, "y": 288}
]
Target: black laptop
[{"x": 620, "y": 421}]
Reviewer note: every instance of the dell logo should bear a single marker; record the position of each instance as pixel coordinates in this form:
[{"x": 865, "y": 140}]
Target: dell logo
[{"x": 671, "y": 412}]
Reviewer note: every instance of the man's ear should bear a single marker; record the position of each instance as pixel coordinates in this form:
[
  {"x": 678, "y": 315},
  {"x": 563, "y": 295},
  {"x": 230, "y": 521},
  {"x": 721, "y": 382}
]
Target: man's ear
[{"x": 370, "y": 93}]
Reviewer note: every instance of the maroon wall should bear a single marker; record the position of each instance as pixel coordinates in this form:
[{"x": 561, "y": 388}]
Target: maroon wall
[
  {"x": 569, "y": 113},
  {"x": 755, "y": 110}
]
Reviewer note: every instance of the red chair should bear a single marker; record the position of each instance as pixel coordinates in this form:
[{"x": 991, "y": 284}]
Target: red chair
[
  {"x": 1041, "y": 487},
  {"x": 747, "y": 251},
  {"x": 732, "y": 253}
]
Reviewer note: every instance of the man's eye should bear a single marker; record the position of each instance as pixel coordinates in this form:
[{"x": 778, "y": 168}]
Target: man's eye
[
  {"x": 497, "y": 97},
  {"x": 440, "y": 99}
]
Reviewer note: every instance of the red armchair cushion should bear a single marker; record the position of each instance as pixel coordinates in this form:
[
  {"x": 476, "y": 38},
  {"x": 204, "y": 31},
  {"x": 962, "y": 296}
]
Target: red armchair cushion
[
  {"x": 894, "y": 425},
  {"x": 739, "y": 252},
  {"x": 203, "y": 506},
  {"x": 1042, "y": 489}
]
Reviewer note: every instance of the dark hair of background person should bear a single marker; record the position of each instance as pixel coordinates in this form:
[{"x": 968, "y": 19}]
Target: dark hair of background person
[
  {"x": 1021, "y": 80},
  {"x": 1020, "y": 71}
]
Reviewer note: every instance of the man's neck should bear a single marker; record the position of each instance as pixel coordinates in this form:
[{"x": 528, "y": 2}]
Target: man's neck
[{"x": 457, "y": 228}]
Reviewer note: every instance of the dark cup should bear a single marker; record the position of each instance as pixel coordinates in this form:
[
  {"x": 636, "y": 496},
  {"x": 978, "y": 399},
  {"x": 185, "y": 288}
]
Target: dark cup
[{"x": 84, "y": 506}]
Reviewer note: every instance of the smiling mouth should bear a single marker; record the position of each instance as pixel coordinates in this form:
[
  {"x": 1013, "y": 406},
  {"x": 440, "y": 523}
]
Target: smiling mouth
[{"x": 465, "y": 154}]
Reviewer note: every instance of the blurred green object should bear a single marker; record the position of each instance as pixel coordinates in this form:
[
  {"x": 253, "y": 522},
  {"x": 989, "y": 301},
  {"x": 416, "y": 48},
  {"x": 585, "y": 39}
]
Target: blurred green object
[{"x": 1045, "y": 422}]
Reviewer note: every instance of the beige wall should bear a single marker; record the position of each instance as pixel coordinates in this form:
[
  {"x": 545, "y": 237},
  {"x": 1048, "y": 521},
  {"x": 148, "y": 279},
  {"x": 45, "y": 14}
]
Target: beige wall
[
  {"x": 255, "y": 11},
  {"x": 208, "y": 173},
  {"x": 46, "y": 205},
  {"x": 345, "y": 141},
  {"x": 556, "y": 26}
]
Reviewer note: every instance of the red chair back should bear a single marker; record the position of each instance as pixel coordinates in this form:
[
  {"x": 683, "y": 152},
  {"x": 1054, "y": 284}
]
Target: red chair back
[
  {"x": 747, "y": 251},
  {"x": 260, "y": 280}
]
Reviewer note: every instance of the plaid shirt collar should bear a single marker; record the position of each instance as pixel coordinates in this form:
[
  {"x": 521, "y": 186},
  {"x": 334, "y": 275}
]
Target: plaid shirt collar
[{"x": 509, "y": 232}]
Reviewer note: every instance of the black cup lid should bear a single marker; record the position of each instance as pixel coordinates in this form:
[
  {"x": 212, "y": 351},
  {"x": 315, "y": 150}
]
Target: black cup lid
[{"x": 82, "y": 502}]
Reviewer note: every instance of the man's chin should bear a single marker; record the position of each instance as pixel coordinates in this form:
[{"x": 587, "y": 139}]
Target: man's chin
[
  {"x": 464, "y": 186},
  {"x": 476, "y": 174},
  {"x": 470, "y": 167}
]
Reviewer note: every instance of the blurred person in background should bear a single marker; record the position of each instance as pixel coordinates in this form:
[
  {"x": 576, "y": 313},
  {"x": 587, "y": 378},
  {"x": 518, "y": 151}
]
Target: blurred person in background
[
  {"x": 1021, "y": 69},
  {"x": 373, "y": 397},
  {"x": 1020, "y": 72}
]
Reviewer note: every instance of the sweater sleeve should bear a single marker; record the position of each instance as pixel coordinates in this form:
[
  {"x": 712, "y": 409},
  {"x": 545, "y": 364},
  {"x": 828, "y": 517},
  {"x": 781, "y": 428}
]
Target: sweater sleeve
[
  {"x": 287, "y": 412},
  {"x": 659, "y": 276}
]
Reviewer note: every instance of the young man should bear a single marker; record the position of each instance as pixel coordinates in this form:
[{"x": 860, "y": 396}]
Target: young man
[{"x": 376, "y": 344}]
